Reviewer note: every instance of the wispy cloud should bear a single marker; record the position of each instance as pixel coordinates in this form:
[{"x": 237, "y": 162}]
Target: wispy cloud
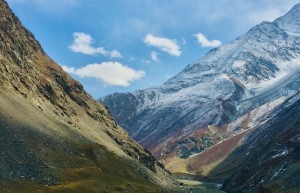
[
  {"x": 111, "y": 73},
  {"x": 154, "y": 56},
  {"x": 269, "y": 14},
  {"x": 183, "y": 41},
  {"x": 83, "y": 44},
  {"x": 202, "y": 39},
  {"x": 165, "y": 44},
  {"x": 115, "y": 54}
]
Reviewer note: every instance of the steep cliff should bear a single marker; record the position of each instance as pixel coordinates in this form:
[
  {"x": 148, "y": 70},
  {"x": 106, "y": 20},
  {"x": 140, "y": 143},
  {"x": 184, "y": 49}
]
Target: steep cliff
[{"x": 54, "y": 137}]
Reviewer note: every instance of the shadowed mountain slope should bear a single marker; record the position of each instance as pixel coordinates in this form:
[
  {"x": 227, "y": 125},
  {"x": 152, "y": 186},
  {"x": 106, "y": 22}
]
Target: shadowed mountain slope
[
  {"x": 269, "y": 159},
  {"x": 54, "y": 137}
]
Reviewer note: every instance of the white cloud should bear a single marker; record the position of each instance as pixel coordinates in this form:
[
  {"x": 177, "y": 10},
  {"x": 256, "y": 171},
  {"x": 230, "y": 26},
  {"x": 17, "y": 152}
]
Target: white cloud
[
  {"x": 115, "y": 54},
  {"x": 165, "y": 44},
  {"x": 112, "y": 73},
  {"x": 154, "y": 56},
  {"x": 205, "y": 42},
  {"x": 83, "y": 44},
  {"x": 68, "y": 69}
]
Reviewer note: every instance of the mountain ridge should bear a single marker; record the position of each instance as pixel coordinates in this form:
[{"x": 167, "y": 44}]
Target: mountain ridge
[
  {"x": 197, "y": 121},
  {"x": 217, "y": 88},
  {"x": 54, "y": 136}
]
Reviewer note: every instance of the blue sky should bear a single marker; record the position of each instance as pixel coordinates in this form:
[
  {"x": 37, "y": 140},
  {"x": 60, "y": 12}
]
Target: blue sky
[{"x": 125, "y": 45}]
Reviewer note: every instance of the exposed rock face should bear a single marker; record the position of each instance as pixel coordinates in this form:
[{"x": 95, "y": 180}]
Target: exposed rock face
[
  {"x": 250, "y": 73},
  {"x": 54, "y": 137},
  {"x": 270, "y": 156},
  {"x": 231, "y": 116}
]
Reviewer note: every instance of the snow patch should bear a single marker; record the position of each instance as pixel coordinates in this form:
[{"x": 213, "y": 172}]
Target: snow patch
[
  {"x": 280, "y": 154},
  {"x": 281, "y": 169},
  {"x": 238, "y": 64}
]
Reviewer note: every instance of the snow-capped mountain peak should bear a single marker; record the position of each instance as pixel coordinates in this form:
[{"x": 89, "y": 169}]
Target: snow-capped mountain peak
[
  {"x": 290, "y": 22},
  {"x": 257, "y": 68}
]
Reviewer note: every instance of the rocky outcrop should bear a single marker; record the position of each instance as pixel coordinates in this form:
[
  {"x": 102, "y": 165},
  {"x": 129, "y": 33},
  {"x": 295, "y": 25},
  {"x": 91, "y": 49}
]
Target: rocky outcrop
[{"x": 54, "y": 136}]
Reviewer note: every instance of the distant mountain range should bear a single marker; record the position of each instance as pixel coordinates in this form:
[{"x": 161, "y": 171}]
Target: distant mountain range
[{"x": 239, "y": 102}]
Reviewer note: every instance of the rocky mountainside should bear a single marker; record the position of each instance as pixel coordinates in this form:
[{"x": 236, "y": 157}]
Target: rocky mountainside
[
  {"x": 265, "y": 160},
  {"x": 269, "y": 159},
  {"x": 210, "y": 99},
  {"x": 54, "y": 137},
  {"x": 202, "y": 122}
]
